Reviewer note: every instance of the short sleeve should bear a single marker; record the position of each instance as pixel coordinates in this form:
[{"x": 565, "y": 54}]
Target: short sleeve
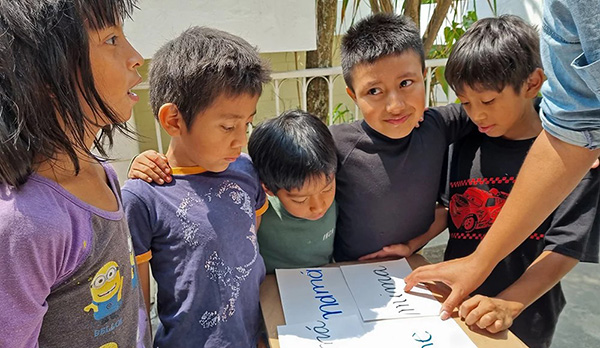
[
  {"x": 575, "y": 225},
  {"x": 455, "y": 120},
  {"x": 31, "y": 264},
  {"x": 140, "y": 219},
  {"x": 262, "y": 203}
]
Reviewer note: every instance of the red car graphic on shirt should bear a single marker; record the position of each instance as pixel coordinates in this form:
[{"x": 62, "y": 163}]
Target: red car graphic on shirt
[{"x": 476, "y": 208}]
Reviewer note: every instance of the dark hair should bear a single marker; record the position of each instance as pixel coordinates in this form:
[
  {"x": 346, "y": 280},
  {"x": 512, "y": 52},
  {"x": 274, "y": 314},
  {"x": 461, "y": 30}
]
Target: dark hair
[
  {"x": 377, "y": 36},
  {"x": 201, "y": 64},
  {"x": 289, "y": 149},
  {"x": 44, "y": 68},
  {"x": 494, "y": 53}
]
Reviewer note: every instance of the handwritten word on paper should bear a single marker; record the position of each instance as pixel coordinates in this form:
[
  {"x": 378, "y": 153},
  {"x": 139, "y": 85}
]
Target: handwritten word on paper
[
  {"x": 378, "y": 291},
  {"x": 423, "y": 332},
  {"x": 389, "y": 286},
  {"x": 322, "y": 294},
  {"x": 314, "y": 294},
  {"x": 426, "y": 341},
  {"x": 341, "y": 332}
]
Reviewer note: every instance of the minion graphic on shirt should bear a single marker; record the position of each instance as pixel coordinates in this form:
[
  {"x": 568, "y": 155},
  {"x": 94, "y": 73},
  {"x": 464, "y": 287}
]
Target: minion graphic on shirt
[
  {"x": 106, "y": 289},
  {"x": 109, "y": 345}
]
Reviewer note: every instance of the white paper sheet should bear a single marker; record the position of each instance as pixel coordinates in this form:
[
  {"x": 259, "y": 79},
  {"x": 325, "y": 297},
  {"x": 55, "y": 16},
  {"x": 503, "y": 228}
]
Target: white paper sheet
[
  {"x": 351, "y": 332},
  {"x": 310, "y": 294},
  {"x": 342, "y": 332},
  {"x": 378, "y": 291},
  {"x": 426, "y": 332}
]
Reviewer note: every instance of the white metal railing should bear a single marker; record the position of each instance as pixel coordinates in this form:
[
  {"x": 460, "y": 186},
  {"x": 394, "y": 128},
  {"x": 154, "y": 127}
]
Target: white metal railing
[{"x": 305, "y": 77}]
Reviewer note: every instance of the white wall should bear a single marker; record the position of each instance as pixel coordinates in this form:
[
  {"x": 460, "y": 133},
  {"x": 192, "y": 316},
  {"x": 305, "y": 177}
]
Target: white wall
[{"x": 272, "y": 25}]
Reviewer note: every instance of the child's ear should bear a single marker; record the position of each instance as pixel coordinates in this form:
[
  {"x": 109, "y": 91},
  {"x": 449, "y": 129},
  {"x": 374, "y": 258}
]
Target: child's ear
[
  {"x": 267, "y": 191},
  {"x": 534, "y": 83},
  {"x": 170, "y": 119},
  {"x": 350, "y": 93}
]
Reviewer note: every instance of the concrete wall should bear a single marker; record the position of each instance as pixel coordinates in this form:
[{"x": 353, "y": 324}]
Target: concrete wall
[{"x": 272, "y": 25}]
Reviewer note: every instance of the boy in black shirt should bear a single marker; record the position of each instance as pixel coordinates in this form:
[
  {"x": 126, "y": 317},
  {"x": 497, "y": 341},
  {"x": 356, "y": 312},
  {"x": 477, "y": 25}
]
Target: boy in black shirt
[
  {"x": 389, "y": 171},
  {"x": 495, "y": 69}
]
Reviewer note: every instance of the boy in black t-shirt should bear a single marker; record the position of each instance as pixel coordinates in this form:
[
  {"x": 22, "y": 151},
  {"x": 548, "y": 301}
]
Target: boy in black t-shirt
[
  {"x": 388, "y": 170},
  {"x": 495, "y": 69}
]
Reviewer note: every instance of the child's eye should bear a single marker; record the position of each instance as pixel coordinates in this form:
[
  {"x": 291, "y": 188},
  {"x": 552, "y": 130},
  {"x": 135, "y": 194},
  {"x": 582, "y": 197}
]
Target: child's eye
[
  {"x": 300, "y": 202},
  {"x": 228, "y": 128},
  {"x": 111, "y": 41},
  {"x": 488, "y": 102},
  {"x": 249, "y": 127},
  {"x": 374, "y": 91},
  {"x": 406, "y": 83}
]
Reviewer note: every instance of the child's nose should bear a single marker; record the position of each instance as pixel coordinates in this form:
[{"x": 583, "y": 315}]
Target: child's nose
[
  {"x": 317, "y": 205},
  {"x": 395, "y": 103},
  {"x": 240, "y": 138},
  {"x": 478, "y": 114},
  {"x": 135, "y": 59}
]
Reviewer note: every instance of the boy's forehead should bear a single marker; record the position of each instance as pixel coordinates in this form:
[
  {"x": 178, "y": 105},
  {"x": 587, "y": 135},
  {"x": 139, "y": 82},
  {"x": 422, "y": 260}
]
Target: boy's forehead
[
  {"x": 406, "y": 64},
  {"x": 227, "y": 107},
  {"x": 313, "y": 184}
]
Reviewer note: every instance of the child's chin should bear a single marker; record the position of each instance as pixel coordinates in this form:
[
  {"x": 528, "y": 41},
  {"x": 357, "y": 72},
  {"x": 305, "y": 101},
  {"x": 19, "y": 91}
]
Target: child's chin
[
  {"x": 398, "y": 133},
  {"x": 218, "y": 168}
]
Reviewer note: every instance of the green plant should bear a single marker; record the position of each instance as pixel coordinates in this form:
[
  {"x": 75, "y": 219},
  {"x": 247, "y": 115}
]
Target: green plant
[
  {"x": 341, "y": 114},
  {"x": 452, "y": 33}
]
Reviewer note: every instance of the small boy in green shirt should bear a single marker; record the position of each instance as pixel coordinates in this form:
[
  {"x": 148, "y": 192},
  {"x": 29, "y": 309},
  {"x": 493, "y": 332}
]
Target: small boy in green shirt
[{"x": 295, "y": 157}]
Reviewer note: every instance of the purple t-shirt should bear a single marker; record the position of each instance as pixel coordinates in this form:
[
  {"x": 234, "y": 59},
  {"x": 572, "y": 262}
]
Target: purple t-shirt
[
  {"x": 200, "y": 232},
  {"x": 68, "y": 274}
]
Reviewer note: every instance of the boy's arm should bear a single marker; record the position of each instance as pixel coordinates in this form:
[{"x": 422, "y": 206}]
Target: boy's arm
[
  {"x": 519, "y": 218},
  {"x": 455, "y": 122},
  {"x": 144, "y": 273},
  {"x": 496, "y": 314},
  {"x": 150, "y": 166},
  {"x": 409, "y": 248}
]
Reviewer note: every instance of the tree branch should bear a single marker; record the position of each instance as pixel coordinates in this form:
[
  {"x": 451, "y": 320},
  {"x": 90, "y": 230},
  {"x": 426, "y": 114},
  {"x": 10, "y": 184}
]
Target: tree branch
[
  {"x": 412, "y": 9},
  {"x": 435, "y": 23}
]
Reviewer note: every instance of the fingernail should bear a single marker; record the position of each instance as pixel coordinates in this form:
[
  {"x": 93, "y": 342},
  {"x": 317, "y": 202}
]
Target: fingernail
[
  {"x": 167, "y": 170},
  {"x": 161, "y": 181},
  {"x": 444, "y": 315}
]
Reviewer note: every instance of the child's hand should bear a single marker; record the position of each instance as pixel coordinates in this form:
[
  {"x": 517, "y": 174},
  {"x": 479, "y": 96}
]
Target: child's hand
[
  {"x": 394, "y": 250},
  {"x": 489, "y": 313},
  {"x": 420, "y": 120},
  {"x": 150, "y": 166}
]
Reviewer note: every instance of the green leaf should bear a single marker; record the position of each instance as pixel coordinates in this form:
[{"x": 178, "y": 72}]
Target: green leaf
[{"x": 441, "y": 79}]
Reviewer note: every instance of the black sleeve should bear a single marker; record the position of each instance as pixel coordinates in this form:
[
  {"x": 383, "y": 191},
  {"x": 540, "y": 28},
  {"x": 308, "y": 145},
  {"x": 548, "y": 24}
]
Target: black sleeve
[
  {"x": 455, "y": 122},
  {"x": 575, "y": 225},
  {"x": 345, "y": 137},
  {"x": 444, "y": 191}
]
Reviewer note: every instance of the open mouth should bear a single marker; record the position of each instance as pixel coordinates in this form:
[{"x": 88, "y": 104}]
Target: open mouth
[{"x": 133, "y": 96}]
